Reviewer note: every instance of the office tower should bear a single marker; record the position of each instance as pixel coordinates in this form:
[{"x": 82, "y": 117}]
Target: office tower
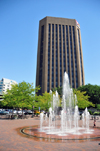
[{"x": 59, "y": 50}]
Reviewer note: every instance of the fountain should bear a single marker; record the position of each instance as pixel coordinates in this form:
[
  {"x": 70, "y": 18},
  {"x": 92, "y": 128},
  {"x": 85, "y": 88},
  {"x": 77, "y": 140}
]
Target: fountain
[
  {"x": 65, "y": 124},
  {"x": 69, "y": 116}
]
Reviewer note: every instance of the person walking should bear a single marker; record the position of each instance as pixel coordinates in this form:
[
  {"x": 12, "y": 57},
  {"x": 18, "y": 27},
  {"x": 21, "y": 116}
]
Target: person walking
[{"x": 94, "y": 121}]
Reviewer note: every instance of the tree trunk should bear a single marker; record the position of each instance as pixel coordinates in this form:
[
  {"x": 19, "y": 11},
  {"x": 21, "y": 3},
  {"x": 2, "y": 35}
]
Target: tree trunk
[
  {"x": 22, "y": 112},
  {"x": 12, "y": 113},
  {"x": 32, "y": 112}
]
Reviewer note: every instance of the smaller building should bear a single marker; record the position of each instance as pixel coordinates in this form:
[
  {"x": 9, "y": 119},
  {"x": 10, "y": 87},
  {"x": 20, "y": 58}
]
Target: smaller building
[{"x": 5, "y": 84}]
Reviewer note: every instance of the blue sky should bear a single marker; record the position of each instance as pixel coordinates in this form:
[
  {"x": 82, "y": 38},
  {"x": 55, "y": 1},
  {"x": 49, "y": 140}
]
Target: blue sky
[{"x": 19, "y": 24}]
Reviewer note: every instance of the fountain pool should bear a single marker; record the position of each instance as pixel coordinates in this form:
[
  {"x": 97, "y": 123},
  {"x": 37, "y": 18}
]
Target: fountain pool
[{"x": 63, "y": 125}]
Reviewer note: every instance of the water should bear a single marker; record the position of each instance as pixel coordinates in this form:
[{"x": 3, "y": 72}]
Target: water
[{"x": 68, "y": 121}]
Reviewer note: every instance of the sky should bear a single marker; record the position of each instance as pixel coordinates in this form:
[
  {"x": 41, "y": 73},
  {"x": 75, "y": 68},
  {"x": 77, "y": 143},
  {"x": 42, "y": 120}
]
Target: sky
[{"x": 19, "y": 24}]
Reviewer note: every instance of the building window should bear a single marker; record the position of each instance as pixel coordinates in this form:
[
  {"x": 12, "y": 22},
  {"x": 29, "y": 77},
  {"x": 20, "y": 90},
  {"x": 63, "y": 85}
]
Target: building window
[
  {"x": 56, "y": 55},
  {"x": 41, "y": 56},
  {"x": 52, "y": 55},
  {"x": 49, "y": 31},
  {"x": 60, "y": 54},
  {"x": 67, "y": 51},
  {"x": 70, "y": 34},
  {"x": 64, "y": 48},
  {"x": 75, "y": 58}
]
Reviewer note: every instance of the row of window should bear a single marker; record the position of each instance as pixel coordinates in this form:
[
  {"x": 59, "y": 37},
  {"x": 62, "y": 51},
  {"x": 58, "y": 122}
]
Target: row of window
[
  {"x": 67, "y": 52},
  {"x": 64, "y": 61},
  {"x": 71, "y": 56},
  {"x": 52, "y": 55},
  {"x": 56, "y": 57},
  {"x": 48, "y": 85},
  {"x": 41, "y": 57},
  {"x": 75, "y": 58},
  {"x": 60, "y": 55},
  {"x": 60, "y": 37}
]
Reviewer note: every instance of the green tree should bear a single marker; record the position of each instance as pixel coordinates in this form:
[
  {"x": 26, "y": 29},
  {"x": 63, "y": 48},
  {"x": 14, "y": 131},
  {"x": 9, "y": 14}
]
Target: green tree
[
  {"x": 82, "y": 99},
  {"x": 1, "y": 104},
  {"x": 9, "y": 98},
  {"x": 93, "y": 91},
  {"x": 43, "y": 101},
  {"x": 58, "y": 89},
  {"x": 98, "y": 106},
  {"x": 21, "y": 95}
]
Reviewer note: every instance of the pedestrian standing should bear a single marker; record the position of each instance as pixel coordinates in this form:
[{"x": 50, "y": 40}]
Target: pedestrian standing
[{"x": 94, "y": 121}]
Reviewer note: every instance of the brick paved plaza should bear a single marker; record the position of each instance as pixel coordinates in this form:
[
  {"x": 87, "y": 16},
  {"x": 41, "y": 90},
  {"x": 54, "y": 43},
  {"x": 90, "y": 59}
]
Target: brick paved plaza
[{"x": 10, "y": 140}]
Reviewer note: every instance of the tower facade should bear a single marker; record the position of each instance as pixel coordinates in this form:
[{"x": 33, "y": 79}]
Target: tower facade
[{"x": 59, "y": 51}]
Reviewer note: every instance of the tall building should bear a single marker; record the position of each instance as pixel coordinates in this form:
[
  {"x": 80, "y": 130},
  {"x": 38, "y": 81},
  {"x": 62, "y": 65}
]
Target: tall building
[
  {"x": 59, "y": 50},
  {"x": 4, "y": 85}
]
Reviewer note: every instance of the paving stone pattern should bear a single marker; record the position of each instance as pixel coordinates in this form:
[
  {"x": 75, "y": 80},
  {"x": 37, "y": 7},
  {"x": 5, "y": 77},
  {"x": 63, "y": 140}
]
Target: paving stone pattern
[{"x": 10, "y": 140}]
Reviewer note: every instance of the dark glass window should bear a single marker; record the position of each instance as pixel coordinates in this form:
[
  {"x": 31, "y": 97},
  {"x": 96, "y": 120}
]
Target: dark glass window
[
  {"x": 56, "y": 55},
  {"x": 67, "y": 51},
  {"x": 41, "y": 56},
  {"x": 75, "y": 58},
  {"x": 70, "y": 34},
  {"x": 52, "y": 55},
  {"x": 49, "y": 30},
  {"x": 64, "y": 48},
  {"x": 60, "y": 49}
]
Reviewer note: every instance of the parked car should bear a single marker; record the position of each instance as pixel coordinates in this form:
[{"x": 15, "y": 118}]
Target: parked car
[
  {"x": 28, "y": 112},
  {"x": 4, "y": 112},
  {"x": 20, "y": 112},
  {"x": 36, "y": 112},
  {"x": 10, "y": 111}
]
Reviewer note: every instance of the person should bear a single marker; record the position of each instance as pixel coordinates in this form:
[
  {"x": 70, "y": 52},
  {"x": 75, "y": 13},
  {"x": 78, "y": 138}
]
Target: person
[{"x": 94, "y": 121}]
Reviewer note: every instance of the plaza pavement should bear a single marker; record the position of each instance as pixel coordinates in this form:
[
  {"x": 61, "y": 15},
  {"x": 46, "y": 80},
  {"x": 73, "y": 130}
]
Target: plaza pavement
[{"x": 10, "y": 140}]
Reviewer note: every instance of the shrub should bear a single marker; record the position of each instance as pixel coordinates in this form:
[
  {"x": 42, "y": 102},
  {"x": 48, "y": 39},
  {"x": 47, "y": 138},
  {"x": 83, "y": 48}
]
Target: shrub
[
  {"x": 90, "y": 112},
  {"x": 96, "y": 113}
]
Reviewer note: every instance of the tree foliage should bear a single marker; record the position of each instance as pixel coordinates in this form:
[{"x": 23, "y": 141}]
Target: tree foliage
[
  {"x": 82, "y": 99},
  {"x": 98, "y": 106},
  {"x": 43, "y": 101},
  {"x": 93, "y": 91},
  {"x": 58, "y": 89},
  {"x": 21, "y": 95}
]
